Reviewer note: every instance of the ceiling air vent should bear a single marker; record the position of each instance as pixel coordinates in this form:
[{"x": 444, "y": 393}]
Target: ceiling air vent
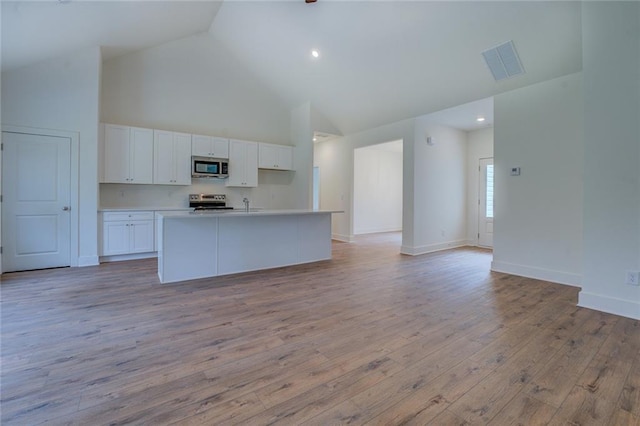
[
  {"x": 503, "y": 61},
  {"x": 323, "y": 137}
]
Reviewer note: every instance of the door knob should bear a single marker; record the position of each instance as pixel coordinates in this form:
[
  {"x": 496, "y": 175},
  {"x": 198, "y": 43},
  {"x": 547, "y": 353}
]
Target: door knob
[{"x": 66, "y": 208}]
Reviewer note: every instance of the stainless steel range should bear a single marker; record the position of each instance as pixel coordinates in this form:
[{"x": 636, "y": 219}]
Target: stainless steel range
[{"x": 208, "y": 202}]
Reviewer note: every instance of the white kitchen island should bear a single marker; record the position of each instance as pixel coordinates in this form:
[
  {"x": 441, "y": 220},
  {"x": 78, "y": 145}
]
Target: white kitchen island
[{"x": 195, "y": 245}]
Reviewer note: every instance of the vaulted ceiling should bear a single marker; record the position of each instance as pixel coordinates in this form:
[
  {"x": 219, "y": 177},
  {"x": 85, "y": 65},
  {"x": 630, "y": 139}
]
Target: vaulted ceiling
[{"x": 379, "y": 62}]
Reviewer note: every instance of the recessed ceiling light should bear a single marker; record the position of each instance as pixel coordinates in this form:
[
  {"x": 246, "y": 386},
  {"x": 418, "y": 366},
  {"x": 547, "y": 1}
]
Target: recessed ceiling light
[
  {"x": 480, "y": 119},
  {"x": 315, "y": 53},
  {"x": 315, "y": 139}
]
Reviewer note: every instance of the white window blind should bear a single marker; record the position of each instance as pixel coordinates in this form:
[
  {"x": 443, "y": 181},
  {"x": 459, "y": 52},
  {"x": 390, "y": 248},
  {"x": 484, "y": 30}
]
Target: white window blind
[{"x": 489, "y": 200}]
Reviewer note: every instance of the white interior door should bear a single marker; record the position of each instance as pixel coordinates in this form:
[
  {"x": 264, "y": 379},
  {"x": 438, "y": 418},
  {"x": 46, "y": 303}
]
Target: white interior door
[
  {"x": 485, "y": 209},
  {"x": 36, "y": 185}
]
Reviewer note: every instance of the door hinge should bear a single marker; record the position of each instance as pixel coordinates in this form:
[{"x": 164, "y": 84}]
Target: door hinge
[
  {"x": 478, "y": 168},
  {"x": 0, "y": 250},
  {"x": 2, "y": 146},
  {"x": 478, "y": 235},
  {"x": 478, "y": 202}
]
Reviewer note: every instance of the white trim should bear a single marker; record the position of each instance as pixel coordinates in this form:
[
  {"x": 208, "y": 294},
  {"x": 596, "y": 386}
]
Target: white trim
[
  {"x": 377, "y": 231},
  {"x": 559, "y": 277},
  {"x": 343, "y": 238},
  {"x": 74, "y": 190},
  {"x": 88, "y": 261},
  {"x": 415, "y": 251},
  {"x": 612, "y": 305},
  {"x": 132, "y": 256}
]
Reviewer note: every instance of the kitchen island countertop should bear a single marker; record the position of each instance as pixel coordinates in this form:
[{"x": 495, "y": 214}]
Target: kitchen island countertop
[
  {"x": 242, "y": 212},
  {"x": 139, "y": 209}
]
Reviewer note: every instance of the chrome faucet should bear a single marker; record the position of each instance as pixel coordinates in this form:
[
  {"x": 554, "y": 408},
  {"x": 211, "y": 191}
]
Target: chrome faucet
[{"x": 245, "y": 200}]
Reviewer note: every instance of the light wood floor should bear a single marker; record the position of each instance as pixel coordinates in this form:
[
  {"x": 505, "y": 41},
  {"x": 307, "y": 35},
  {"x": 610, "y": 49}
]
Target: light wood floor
[{"x": 370, "y": 337}]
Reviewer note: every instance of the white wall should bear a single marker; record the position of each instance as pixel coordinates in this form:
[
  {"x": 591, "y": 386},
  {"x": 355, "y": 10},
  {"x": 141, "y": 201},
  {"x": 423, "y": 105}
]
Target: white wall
[
  {"x": 377, "y": 193},
  {"x": 192, "y": 85},
  {"x": 332, "y": 159},
  {"x": 321, "y": 123},
  {"x": 195, "y": 85},
  {"x": 611, "y": 68},
  {"x": 479, "y": 145},
  {"x": 273, "y": 192},
  {"x": 301, "y": 133},
  {"x": 439, "y": 188},
  {"x": 335, "y": 161},
  {"x": 0, "y": 150},
  {"x": 538, "y": 215},
  {"x": 434, "y": 182},
  {"x": 63, "y": 94}
]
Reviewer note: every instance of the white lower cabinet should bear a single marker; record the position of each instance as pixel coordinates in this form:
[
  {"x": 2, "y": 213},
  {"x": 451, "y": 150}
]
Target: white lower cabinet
[{"x": 127, "y": 232}]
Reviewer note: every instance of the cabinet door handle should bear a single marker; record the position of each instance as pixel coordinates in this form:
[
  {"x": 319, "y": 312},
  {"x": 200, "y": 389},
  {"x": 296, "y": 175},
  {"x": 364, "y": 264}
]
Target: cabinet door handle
[{"x": 66, "y": 208}]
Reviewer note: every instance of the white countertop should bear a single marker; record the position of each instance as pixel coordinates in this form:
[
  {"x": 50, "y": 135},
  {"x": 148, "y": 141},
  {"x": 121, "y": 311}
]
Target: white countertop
[
  {"x": 241, "y": 212},
  {"x": 138, "y": 209}
]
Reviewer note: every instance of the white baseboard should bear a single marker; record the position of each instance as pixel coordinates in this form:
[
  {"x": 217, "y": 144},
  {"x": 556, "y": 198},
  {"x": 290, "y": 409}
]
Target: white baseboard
[
  {"x": 376, "y": 231},
  {"x": 343, "y": 238},
  {"x": 612, "y": 305},
  {"x": 88, "y": 261},
  {"x": 430, "y": 248},
  {"x": 128, "y": 257},
  {"x": 537, "y": 273}
]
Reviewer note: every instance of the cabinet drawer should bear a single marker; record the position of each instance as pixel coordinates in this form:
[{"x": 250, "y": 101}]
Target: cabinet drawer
[{"x": 132, "y": 215}]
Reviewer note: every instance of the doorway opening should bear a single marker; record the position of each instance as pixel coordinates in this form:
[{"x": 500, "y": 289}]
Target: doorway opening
[{"x": 377, "y": 189}]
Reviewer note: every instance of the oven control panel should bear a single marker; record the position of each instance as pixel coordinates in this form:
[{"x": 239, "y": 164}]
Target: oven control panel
[{"x": 208, "y": 197}]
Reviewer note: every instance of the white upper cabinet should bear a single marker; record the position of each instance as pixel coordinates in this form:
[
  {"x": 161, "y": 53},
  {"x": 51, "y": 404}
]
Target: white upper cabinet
[
  {"x": 243, "y": 163},
  {"x": 276, "y": 157},
  {"x": 209, "y": 146},
  {"x": 171, "y": 158},
  {"x": 127, "y": 154},
  {"x": 182, "y": 152}
]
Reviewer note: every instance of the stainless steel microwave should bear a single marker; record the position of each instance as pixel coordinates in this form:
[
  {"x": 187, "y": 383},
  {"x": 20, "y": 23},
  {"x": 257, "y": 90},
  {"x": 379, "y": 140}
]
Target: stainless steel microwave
[{"x": 204, "y": 167}]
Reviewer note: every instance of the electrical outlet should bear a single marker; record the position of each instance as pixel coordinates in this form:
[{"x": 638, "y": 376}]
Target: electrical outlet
[{"x": 633, "y": 278}]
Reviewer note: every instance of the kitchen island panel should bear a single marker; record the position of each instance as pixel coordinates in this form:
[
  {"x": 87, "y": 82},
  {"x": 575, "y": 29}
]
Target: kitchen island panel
[
  {"x": 314, "y": 243},
  {"x": 187, "y": 249},
  {"x": 258, "y": 243},
  {"x": 197, "y": 245}
]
